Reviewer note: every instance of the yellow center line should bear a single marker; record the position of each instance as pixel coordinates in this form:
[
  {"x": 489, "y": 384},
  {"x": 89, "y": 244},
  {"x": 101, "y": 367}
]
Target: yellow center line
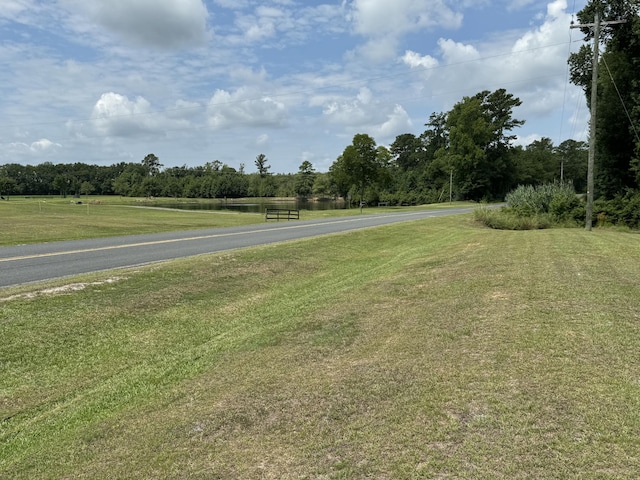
[{"x": 173, "y": 240}]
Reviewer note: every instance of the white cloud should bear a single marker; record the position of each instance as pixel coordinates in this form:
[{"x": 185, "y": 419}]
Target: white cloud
[
  {"x": 415, "y": 60},
  {"x": 384, "y": 23},
  {"x": 114, "y": 115},
  {"x": 354, "y": 112},
  {"x": 397, "y": 122},
  {"x": 244, "y": 108},
  {"x": 375, "y": 18},
  {"x": 43, "y": 145},
  {"x": 150, "y": 23},
  {"x": 34, "y": 150},
  {"x": 366, "y": 113},
  {"x": 532, "y": 62},
  {"x": 455, "y": 52}
]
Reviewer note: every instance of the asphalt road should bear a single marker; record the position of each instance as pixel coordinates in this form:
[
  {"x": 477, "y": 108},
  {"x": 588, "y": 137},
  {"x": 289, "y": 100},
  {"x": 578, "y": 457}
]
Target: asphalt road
[{"x": 46, "y": 261}]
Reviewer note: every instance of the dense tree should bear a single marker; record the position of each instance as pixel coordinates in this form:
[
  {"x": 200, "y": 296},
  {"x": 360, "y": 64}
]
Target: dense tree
[
  {"x": 360, "y": 166},
  {"x": 8, "y": 186},
  {"x": 537, "y": 163},
  {"x": 436, "y": 136},
  {"x": 618, "y": 92},
  {"x": 480, "y": 151},
  {"x": 151, "y": 165},
  {"x": 408, "y": 151},
  {"x": 322, "y": 185},
  {"x": 305, "y": 180},
  {"x": 573, "y": 156},
  {"x": 62, "y": 183},
  {"x": 87, "y": 188},
  {"x": 129, "y": 182}
]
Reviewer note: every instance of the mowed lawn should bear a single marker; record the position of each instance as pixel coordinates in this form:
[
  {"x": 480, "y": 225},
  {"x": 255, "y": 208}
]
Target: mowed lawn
[
  {"x": 429, "y": 349},
  {"x": 55, "y": 219}
]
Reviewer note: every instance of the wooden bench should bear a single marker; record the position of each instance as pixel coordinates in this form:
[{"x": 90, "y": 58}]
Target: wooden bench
[{"x": 281, "y": 213}]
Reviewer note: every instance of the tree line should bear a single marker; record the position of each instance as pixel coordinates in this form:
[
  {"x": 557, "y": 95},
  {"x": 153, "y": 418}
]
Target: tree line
[{"x": 414, "y": 169}]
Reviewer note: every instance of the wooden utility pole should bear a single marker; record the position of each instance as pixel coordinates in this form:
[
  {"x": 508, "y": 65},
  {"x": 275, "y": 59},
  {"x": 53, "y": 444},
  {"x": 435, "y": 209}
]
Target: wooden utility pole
[{"x": 594, "y": 99}]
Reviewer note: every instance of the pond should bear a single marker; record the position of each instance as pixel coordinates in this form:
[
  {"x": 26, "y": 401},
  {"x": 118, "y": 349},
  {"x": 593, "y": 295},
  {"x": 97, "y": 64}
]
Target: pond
[{"x": 256, "y": 205}]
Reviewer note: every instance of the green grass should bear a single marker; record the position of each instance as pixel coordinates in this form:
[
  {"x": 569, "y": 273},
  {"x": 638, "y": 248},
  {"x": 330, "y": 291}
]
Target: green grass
[
  {"x": 53, "y": 219},
  {"x": 36, "y": 220},
  {"x": 430, "y": 349}
]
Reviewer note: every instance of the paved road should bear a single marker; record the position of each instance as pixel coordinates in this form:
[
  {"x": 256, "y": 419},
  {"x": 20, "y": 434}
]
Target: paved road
[{"x": 33, "y": 263}]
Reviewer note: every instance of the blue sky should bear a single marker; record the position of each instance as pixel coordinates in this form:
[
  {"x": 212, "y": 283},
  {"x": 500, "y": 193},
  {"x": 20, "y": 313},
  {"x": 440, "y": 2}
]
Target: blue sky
[{"x": 192, "y": 81}]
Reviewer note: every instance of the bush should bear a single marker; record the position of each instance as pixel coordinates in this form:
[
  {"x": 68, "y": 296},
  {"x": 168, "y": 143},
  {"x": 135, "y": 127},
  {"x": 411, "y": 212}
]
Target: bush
[
  {"x": 530, "y": 207},
  {"x": 555, "y": 198},
  {"x": 623, "y": 210},
  {"x": 507, "y": 219}
]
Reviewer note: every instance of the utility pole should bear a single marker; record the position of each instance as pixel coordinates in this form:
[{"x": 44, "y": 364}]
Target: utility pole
[{"x": 594, "y": 99}]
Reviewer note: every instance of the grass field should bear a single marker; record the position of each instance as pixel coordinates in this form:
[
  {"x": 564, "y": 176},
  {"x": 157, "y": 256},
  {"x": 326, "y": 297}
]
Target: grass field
[
  {"x": 53, "y": 219},
  {"x": 430, "y": 349},
  {"x": 36, "y": 220}
]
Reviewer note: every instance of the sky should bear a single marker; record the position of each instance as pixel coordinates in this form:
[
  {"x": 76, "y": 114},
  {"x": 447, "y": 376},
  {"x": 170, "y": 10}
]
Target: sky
[{"x": 193, "y": 81}]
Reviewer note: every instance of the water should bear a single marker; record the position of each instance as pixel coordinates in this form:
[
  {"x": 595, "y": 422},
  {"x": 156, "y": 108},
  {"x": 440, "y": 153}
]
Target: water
[{"x": 257, "y": 205}]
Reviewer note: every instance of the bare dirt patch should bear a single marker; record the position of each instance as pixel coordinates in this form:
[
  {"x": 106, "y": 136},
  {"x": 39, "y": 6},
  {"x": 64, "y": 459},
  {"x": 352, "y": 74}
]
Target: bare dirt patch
[{"x": 61, "y": 290}]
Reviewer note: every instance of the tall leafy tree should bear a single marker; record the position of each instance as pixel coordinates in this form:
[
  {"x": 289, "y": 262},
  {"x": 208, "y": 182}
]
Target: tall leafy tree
[
  {"x": 152, "y": 165},
  {"x": 361, "y": 165},
  {"x": 480, "y": 151},
  {"x": 436, "y": 136},
  {"x": 305, "y": 179},
  {"x": 408, "y": 151},
  {"x": 618, "y": 96}
]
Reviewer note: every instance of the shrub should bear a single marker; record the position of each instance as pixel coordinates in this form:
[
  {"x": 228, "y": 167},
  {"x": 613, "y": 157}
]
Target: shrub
[
  {"x": 507, "y": 219},
  {"x": 530, "y": 207},
  {"x": 554, "y": 198},
  {"x": 623, "y": 210}
]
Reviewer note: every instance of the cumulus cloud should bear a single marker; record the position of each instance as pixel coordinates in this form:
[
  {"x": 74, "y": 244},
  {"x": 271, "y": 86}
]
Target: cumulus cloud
[
  {"x": 114, "y": 115},
  {"x": 150, "y": 23},
  {"x": 367, "y": 113},
  {"x": 374, "y": 18},
  {"x": 532, "y": 66},
  {"x": 415, "y": 60},
  {"x": 384, "y": 23},
  {"x": 39, "y": 148},
  {"x": 352, "y": 112},
  {"x": 397, "y": 122},
  {"x": 244, "y": 108}
]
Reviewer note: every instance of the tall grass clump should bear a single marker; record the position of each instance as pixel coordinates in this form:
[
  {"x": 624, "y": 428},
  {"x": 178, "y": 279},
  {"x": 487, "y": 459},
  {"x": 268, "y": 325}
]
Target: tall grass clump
[
  {"x": 532, "y": 207},
  {"x": 507, "y": 219}
]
